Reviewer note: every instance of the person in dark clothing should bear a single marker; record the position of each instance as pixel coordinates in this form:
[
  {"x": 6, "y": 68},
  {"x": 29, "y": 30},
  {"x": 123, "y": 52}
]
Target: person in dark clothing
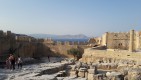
[
  {"x": 12, "y": 61},
  {"x": 48, "y": 58}
]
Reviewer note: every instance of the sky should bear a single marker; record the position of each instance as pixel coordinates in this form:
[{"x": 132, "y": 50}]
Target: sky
[{"x": 61, "y": 17}]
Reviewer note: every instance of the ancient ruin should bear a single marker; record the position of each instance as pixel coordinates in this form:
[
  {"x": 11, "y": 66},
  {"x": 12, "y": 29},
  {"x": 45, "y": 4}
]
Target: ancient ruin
[
  {"x": 120, "y": 60},
  {"x": 27, "y": 46},
  {"x": 120, "y": 40},
  {"x": 114, "y": 56}
]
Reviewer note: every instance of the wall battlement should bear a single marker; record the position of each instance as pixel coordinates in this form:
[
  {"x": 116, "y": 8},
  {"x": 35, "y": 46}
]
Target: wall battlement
[
  {"x": 27, "y": 46},
  {"x": 121, "y": 40}
]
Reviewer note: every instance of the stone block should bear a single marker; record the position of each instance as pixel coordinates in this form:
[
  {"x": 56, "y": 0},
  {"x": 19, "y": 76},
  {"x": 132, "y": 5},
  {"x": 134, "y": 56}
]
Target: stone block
[
  {"x": 86, "y": 75},
  {"x": 90, "y": 76},
  {"x": 122, "y": 66},
  {"x": 84, "y": 65},
  {"x": 49, "y": 77},
  {"x": 107, "y": 66},
  {"x": 81, "y": 74},
  {"x": 60, "y": 78},
  {"x": 72, "y": 67},
  {"x": 98, "y": 77},
  {"x": 70, "y": 78},
  {"x": 82, "y": 69},
  {"x": 73, "y": 73},
  {"x": 114, "y": 76},
  {"x": 138, "y": 63},
  {"x": 134, "y": 74},
  {"x": 78, "y": 64},
  {"x": 91, "y": 71}
]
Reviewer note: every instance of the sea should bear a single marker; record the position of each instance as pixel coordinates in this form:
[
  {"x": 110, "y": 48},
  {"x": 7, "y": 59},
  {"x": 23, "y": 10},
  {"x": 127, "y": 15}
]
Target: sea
[{"x": 71, "y": 40}]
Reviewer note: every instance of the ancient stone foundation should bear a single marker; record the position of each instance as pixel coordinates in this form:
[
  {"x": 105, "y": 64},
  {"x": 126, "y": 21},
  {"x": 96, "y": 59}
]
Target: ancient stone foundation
[{"x": 111, "y": 65}]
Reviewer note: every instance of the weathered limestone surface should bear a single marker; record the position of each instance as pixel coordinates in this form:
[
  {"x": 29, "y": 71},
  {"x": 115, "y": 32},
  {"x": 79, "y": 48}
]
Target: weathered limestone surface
[
  {"x": 92, "y": 71},
  {"x": 112, "y": 65},
  {"x": 98, "y": 77},
  {"x": 27, "y": 46},
  {"x": 119, "y": 40},
  {"x": 71, "y": 69},
  {"x": 103, "y": 56},
  {"x": 73, "y": 73},
  {"x": 90, "y": 76},
  {"x": 114, "y": 75},
  {"x": 131, "y": 45},
  {"x": 82, "y": 72},
  {"x": 134, "y": 74}
]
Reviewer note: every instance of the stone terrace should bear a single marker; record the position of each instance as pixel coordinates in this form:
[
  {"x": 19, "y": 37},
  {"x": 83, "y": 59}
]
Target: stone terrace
[{"x": 91, "y": 55}]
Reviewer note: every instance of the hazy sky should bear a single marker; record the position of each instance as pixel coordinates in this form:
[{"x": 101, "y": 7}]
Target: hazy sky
[{"x": 89, "y": 17}]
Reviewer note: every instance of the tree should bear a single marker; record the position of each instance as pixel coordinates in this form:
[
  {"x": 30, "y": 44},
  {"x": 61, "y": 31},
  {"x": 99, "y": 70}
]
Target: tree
[{"x": 75, "y": 52}]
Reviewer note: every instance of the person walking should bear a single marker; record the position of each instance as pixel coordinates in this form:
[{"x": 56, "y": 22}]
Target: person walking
[
  {"x": 48, "y": 58},
  {"x": 8, "y": 63},
  {"x": 12, "y": 61},
  {"x": 20, "y": 61}
]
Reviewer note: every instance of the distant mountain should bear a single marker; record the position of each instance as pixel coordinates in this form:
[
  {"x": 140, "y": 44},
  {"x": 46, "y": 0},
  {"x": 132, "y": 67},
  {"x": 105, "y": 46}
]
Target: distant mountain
[{"x": 80, "y": 36}]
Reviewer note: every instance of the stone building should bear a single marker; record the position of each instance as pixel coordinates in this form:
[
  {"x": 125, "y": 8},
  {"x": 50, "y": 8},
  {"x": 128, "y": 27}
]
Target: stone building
[
  {"x": 121, "y": 40},
  {"x": 94, "y": 41}
]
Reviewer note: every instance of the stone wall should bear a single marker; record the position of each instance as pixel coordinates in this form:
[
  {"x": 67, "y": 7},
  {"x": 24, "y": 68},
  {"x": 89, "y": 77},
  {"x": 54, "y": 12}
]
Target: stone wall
[
  {"x": 61, "y": 50},
  {"x": 23, "y": 45},
  {"x": 121, "y": 40},
  {"x": 27, "y": 46},
  {"x": 7, "y": 41},
  {"x": 112, "y": 65},
  {"x": 96, "y": 56},
  {"x": 118, "y": 40}
]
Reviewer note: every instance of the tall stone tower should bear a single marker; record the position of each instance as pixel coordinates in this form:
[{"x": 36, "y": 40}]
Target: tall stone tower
[
  {"x": 104, "y": 39},
  {"x": 131, "y": 44}
]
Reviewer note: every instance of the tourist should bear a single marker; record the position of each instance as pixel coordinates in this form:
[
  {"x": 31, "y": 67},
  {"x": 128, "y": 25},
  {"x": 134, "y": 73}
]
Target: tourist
[
  {"x": 8, "y": 63},
  {"x": 19, "y": 61},
  {"x": 48, "y": 58},
  {"x": 12, "y": 61}
]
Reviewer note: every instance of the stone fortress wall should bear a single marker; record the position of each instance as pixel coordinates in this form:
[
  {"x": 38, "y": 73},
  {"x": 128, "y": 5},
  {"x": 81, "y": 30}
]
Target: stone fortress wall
[
  {"x": 117, "y": 40},
  {"x": 61, "y": 48},
  {"x": 122, "y": 55},
  {"x": 27, "y": 46},
  {"x": 50, "y": 41},
  {"x": 122, "y": 46},
  {"x": 6, "y": 40},
  {"x": 120, "y": 40},
  {"x": 17, "y": 44}
]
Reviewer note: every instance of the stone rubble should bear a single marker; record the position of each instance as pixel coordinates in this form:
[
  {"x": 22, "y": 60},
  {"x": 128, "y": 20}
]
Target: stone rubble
[{"x": 68, "y": 70}]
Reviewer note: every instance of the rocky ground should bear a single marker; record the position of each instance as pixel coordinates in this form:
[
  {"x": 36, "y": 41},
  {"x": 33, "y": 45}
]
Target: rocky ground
[
  {"x": 68, "y": 69},
  {"x": 41, "y": 71}
]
